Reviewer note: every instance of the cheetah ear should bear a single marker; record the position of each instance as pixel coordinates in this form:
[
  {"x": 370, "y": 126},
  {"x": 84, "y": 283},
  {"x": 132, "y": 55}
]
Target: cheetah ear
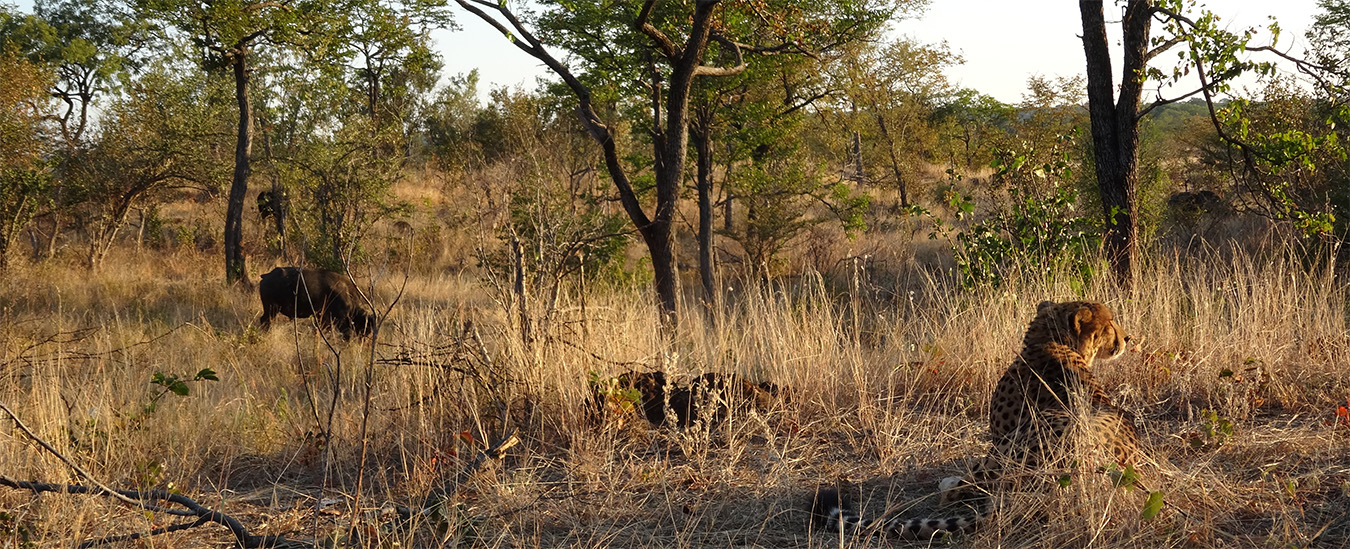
[{"x": 1081, "y": 319}]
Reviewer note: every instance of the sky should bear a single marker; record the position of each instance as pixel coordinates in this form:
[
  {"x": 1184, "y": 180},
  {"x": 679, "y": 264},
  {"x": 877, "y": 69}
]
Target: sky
[{"x": 1002, "y": 41}]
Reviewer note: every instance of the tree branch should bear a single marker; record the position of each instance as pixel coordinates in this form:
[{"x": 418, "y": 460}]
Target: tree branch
[
  {"x": 1158, "y": 10},
  {"x": 668, "y": 48},
  {"x": 1247, "y": 152},
  {"x": 138, "y": 535},
  {"x": 203, "y": 514},
  {"x": 264, "y": 5},
  {"x": 32, "y": 436},
  {"x": 1162, "y": 48},
  {"x": 1313, "y": 70},
  {"x": 739, "y": 67},
  {"x": 134, "y": 498},
  {"x": 805, "y": 103},
  {"x": 791, "y": 46},
  {"x": 528, "y": 43},
  {"x": 1160, "y": 101}
]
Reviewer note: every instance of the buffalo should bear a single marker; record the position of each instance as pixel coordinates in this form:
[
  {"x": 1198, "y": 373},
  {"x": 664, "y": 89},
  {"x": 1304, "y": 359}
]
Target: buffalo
[
  {"x": 301, "y": 293},
  {"x": 269, "y": 204},
  {"x": 1196, "y": 203}
]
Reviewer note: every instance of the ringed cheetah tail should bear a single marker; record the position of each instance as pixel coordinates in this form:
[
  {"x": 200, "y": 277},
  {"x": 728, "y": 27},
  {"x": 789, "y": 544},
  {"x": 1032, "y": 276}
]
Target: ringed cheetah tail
[{"x": 832, "y": 511}]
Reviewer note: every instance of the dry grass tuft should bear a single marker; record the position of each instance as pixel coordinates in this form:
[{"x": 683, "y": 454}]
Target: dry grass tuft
[{"x": 888, "y": 384}]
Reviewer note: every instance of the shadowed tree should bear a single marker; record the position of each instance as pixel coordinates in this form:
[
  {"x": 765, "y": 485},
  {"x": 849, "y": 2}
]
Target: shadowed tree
[
  {"x": 392, "y": 53},
  {"x": 890, "y": 95},
  {"x": 732, "y": 117},
  {"x": 227, "y": 34},
  {"x": 1216, "y": 57},
  {"x": 971, "y": 123}
]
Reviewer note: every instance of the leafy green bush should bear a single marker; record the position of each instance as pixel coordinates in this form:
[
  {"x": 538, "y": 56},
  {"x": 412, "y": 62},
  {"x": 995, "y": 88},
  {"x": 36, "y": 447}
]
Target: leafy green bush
[{"x": 1035, "y": 229}]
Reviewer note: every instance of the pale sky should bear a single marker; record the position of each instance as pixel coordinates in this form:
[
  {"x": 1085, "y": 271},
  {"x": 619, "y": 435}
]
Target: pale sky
[{"x": 1003, "y": 41}]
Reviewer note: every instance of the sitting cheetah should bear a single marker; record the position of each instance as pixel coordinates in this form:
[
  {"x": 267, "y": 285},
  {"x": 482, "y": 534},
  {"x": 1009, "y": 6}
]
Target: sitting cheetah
[{"x": 1046, "y": 403}]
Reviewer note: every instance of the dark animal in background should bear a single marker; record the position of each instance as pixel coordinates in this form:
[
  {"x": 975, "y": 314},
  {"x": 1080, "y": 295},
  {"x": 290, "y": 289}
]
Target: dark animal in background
[
  {"x": 299, "y": 293},
  {"x": 269, "y": 204},
  {"x": 1194, "y": 203}
]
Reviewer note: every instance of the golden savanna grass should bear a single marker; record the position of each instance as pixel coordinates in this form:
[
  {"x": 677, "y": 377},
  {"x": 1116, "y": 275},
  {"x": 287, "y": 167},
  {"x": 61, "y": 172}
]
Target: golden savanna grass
[{"x": 886, "y": 373}]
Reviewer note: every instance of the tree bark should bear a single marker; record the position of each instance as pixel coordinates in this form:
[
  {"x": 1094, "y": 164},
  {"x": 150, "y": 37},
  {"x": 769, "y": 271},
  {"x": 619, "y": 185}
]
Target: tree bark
[
  {"x": 703, "y": 159},
  {"x": 895, "y": 160},
  {"x": 1115, "y": 124},
  {"x": 858, "y": 176},
  {"x": 670, "y": 166},
  {"x": 234, "y": 211},
  {"x": 278, "y": 204},
  {"x": 728, "y": 222},
  {"x": 10, "y": 225}
]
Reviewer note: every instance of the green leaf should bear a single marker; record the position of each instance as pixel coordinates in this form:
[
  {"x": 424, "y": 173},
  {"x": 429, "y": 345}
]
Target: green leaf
[
  {"x": 1152, "y": 507},
  {"x": 1125, "y": 478},
  {"x": 207, "y": 374},
  {"x": 1065, "y": 480},
  {"x": 179, "y": 388}
]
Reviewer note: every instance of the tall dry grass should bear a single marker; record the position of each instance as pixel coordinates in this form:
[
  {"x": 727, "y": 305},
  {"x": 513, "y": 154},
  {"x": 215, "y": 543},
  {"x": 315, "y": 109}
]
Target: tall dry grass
[{"x": 887, "y": 378}]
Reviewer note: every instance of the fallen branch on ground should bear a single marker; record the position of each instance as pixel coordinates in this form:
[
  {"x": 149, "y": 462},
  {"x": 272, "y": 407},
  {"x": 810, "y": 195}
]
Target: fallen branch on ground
[{"x": 144, "y": 500}]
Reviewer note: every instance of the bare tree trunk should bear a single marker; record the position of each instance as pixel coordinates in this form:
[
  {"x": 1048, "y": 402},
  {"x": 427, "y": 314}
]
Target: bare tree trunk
[
  {"x": 728, "y": 224},
  {"x": 703, "y": 159},
  {"x": 279, "y": 206},
  {"x": 1115, "y": 124},
  {"x": 661, "y": 246},
  {"x": 9, "y": 227},
  {"x": 140, "y": 231},
  {"x": 56, "y": 220},
  {"x": 373, "y": 95},
  {"x": 234, "y": 211},
  {"x": 101, "y": 242},
  {"x": 518, "y": 289},
  {"x": 5, "y": 238},
  {"x": 858, "y": 176},
  {"x": 900, "y": 183}
]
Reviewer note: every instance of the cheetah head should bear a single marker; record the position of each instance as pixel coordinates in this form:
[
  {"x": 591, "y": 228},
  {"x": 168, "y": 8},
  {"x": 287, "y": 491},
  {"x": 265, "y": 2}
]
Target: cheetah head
[{"x": 1086, "y": 326}]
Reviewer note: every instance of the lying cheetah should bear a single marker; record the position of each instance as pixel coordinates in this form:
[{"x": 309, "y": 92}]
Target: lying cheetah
[
  {"x": 709, "y": 397},
  {"x": 1047, "y": 408}
]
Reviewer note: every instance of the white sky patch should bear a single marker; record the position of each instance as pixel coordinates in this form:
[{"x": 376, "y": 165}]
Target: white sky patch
[{"x": 1003, "y": 42}]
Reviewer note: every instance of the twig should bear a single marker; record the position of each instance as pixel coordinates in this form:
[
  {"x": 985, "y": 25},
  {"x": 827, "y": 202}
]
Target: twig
[
  {"x": 138, "y": 535},
  {"x": 104, "y": 488},
  {"x": 596, "y": 356},
  {"x": 78, "y": 335},
  {"x": 369, "y": 385},
  {"x": 135, "y": 498},
  {"x": 494, "y": 452}
]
